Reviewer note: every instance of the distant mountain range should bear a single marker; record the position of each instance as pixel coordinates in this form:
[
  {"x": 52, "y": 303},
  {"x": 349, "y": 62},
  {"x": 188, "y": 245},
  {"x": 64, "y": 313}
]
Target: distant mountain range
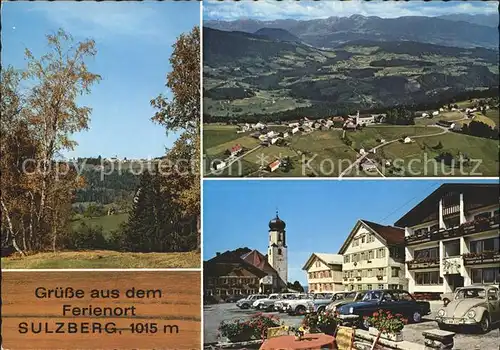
[
  {"x": 451, "y": 30},
  {"x": 250, "y": 74}
]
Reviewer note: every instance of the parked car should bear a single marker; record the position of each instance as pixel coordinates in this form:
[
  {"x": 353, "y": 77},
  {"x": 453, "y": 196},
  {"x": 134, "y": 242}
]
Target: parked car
[
  {"x": 282, "y": 305},
  {"x": 321, "y": 302},
  {"x": 247, "y": 302},
  {"x": 477, "y": 305},
  {"x": 278, "y": 305},
  {"x": 234, "y": 298},
  {"x": 341, "y": 298},
  {"x": 395, "y": 301},
  {"x": 307, "y": 305},
  {"x": 266, "y": 304}
]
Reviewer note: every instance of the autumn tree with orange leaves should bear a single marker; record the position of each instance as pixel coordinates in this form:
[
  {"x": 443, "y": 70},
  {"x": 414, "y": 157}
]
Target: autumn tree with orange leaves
[{"x": 36, "y": 188}]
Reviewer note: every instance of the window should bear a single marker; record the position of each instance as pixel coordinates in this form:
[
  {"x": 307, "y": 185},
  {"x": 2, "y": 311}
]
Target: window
[
  {"x": 493, "y": 294},
  {"x": 452, "y": 222},
  {"x": 363, "y": 273},
  {"x": 371, "y": 238},
  {"x": 363, "y": 239},
  {"x": 279, "y": 251},
  {"x": 427, "y": 278},
  {"x": 490, "y": 244},
  {"x": 363, "y": 256},
  {"x": 369, "y": 273},
  {"x": 360, "y": 287},
  {"x": 421, "y": 230},
  {"x": 380, "y": 286},
  {"x": 403, "y": 296},
  {"x": 427, "y": 253},
  {"x": 371, "y": 254},
  {"x": 452, "y": 248},
  {"x": 380, "y": 253},
  {"x": 485, "y": 215},
  {"x": 369, "y": 287},
  {"x": 394, "y": 271},
  {"x": 346, "y": 258},
  {"x": 355, "y": 242}
]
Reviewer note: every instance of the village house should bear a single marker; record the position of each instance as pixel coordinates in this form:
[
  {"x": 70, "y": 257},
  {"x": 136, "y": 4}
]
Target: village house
[
  {"x": 451, "y": 239},
  {"x": 272, "y": 282},
  {"x": 349, "y": 125},
  {"x": 365, "y": 119},
  {"x": 407, "y": 139},
  {"x": 263, "y": 137},
  {"x": 228, "y": 274},
  {"x": 369, "y": 166},
  {"x": 286, "y": 134},
  {"x": 446, "y": 124},
  {"x": 293, "y": 125},
  {"x": 295, "y": 130},
  {"x": 324, "y": 273},
  {"x": 435, "y": 113},
  {"x": 274, "y": 165},
  {"x": 234, "y": 151},
  {"x": 219, "y": 165},
  {"x": 373, "y": 257},
  {"x": 272, "y": 134},
  {"x": 274, "y": 140}
]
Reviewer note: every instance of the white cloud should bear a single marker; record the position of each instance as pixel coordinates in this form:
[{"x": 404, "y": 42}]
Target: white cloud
[
  {"x": 103, "y": 19},
  {"x": 272, "y": 9}
]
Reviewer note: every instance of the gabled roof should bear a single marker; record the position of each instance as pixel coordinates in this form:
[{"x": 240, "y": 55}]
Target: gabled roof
[
  {"x": 275, "y": 163},
  {"x": 328, "y": 259},
  {"x": 258, "y": 260},
  {"x": 476, "y": 195},
  {"x": 389, "y": 235},
  {"x": 230, "y": 261}
]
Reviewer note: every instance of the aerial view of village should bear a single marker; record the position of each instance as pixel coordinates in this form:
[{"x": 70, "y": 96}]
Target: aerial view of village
[
  {"x": 340, "y": 94},
  {"x": 421, "y": 264}
]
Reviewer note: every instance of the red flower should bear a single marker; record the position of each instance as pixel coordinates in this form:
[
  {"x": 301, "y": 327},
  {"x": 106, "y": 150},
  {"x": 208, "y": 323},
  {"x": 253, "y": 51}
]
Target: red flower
[{"x": 375, "y": 314}]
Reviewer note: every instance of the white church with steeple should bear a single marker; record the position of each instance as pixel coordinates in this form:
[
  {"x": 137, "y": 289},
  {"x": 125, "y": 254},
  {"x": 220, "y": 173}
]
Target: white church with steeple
[{"x": 277, "y": 250}]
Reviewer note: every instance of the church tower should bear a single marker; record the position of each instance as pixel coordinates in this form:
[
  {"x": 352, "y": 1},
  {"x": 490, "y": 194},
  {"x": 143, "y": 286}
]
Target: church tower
[{"x": 277, "y": 252}]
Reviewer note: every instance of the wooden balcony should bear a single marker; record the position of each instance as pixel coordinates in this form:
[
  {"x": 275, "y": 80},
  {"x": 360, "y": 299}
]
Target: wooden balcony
[
  {"x": 424, "y": 263},
  {"x": 486, "y": 257},
  {"x": 468, "y": 228}
]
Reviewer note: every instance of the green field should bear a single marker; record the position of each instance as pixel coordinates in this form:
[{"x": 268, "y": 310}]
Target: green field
[
  {"x": 448, "y": 116},
  {"x": 328, "y": 154},
  {"x": 367, "y": 138},
  {"x": 484, "y": 150},
  {"x": 214, "y": 135},
  {"x": 102, "y": 259},
  {"x": 493, "y": 114},
  {"x": 108, "y": 223}
]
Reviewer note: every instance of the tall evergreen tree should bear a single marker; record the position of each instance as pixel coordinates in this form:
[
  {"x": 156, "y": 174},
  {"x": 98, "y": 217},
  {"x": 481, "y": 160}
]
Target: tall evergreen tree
[{"x": 156, "y": 222}]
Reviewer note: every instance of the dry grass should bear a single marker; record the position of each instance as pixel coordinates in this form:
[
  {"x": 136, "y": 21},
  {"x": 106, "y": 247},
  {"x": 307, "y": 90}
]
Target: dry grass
[{"x": 102, "y": 259}]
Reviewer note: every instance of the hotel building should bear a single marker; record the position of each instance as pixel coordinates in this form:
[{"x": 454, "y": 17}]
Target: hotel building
[{"x": 451, "y": 239}]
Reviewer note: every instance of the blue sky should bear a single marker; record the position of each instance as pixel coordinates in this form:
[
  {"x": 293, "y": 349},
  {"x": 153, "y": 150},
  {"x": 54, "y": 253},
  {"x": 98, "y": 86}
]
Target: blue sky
[
  {"x": 134, "y": 42},
  {"x": 308, "y": 9},
  {"x": 319, "y": 215}
]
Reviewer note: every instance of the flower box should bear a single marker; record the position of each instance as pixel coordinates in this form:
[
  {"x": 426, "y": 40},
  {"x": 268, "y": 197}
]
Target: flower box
[
  {"x": 244, "y": 336},
  {"x": 395, "y": 337}
]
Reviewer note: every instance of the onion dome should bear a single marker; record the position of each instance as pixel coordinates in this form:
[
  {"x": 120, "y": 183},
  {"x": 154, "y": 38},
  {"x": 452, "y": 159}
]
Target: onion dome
[{"x": 277, "y": 224}]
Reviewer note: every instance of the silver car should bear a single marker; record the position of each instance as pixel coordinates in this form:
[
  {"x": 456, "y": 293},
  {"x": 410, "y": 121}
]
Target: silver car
[
  {"x": 471, "y": 306},
  {"x": 247, "y": 302}
]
